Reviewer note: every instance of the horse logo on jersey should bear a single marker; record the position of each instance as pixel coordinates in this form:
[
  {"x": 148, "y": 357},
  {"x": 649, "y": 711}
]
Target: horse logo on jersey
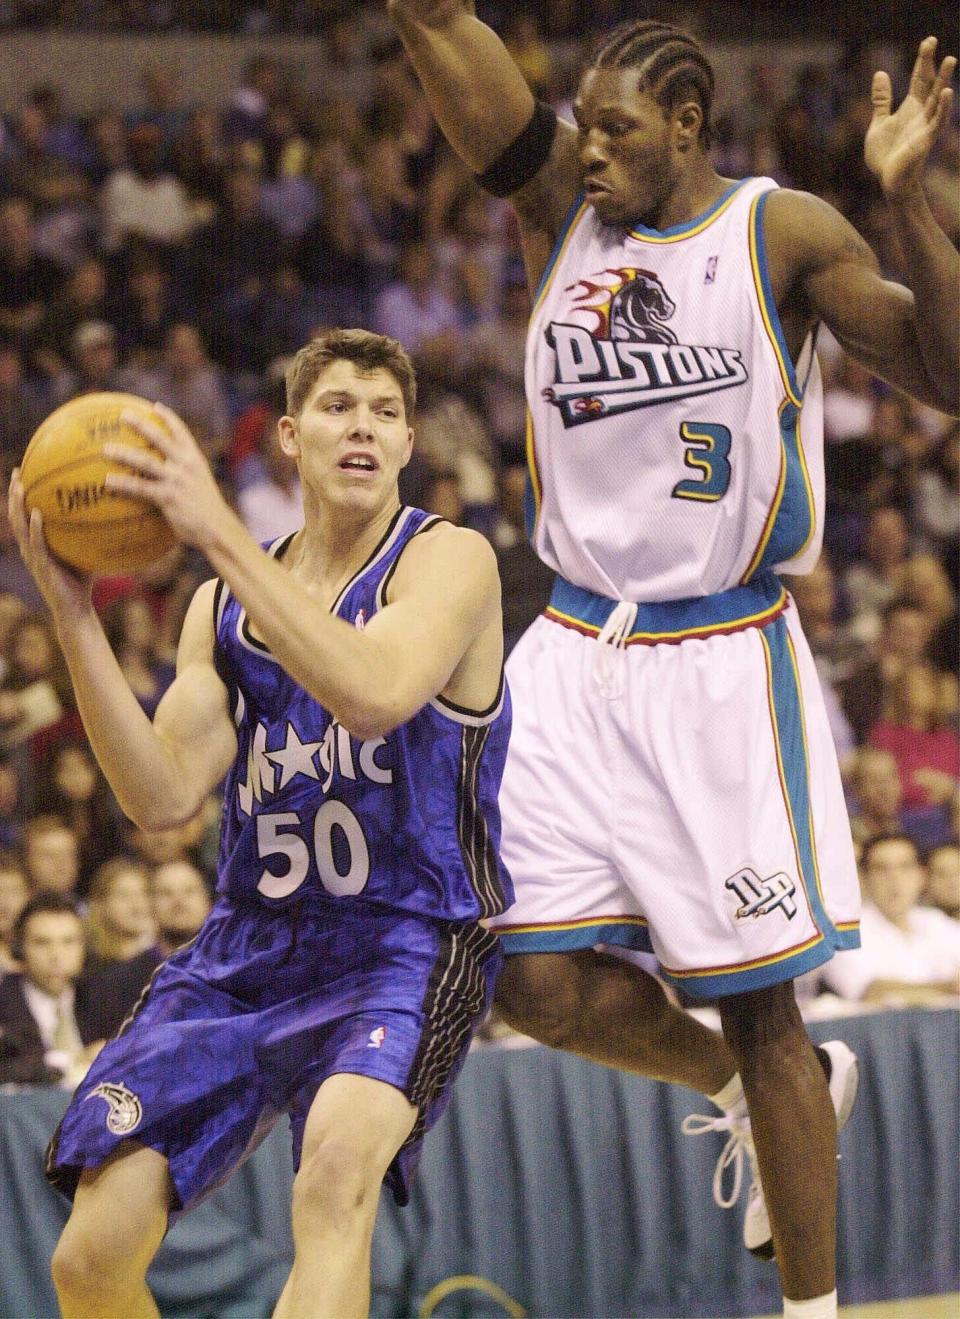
[
  {"x": 126, "y": 1111},
  {"x": 615, "y": 351},
  {"x": 759, "y": 897}
]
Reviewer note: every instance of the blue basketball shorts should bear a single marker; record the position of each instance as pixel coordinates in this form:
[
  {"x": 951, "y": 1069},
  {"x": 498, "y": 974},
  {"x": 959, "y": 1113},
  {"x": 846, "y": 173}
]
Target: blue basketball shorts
[{"x": 247, "y": 1022}]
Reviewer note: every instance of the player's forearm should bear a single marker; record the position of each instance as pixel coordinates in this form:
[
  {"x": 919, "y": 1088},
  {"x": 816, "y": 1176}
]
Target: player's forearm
[
  {"x": 334, "y": 662},
  {"x": 933, "y": 273},
  {"x": 147, "y": 782},
  {"x": 476, "y": 92}
]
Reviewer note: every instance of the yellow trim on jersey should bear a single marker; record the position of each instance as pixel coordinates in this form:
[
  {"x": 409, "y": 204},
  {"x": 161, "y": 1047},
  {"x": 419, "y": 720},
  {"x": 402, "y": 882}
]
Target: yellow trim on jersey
[
  {"x": 771, "y": 521},
  {"x": 808, "y": 487},
  {"x": 782, "y": 775},
  {"x": 806, "y": 760},
  {"x": 785, "y": 370},
  {"x": 734, "y": 968},
  {"x": 580, "y": 924},
  {"x": 733, "y": 624},
  {"x": 705, "y": 223},
  {"x": 535, "y": 487},
  {"x": 556, "y": 258}
]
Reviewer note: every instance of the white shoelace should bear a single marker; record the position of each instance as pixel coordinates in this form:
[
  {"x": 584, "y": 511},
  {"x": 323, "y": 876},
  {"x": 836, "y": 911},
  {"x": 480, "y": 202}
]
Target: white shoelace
[
  {"x": 738, "y": 1146},
  {"x": 612, "y": 638}
]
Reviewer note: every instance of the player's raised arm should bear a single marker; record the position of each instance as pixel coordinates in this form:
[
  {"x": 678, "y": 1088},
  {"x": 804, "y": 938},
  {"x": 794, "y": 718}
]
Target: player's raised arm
[
  {"x": 486, "y": 110},
  {"x": 909, "y": 336}
]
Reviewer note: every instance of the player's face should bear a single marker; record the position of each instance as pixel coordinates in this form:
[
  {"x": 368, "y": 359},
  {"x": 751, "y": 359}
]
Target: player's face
[
  {"x": 351, "y": 437},
  {"x": 53, "y": 950},
  {"x": 627, "y": 157}
]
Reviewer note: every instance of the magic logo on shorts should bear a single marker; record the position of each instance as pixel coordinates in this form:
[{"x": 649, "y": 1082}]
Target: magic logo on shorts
[
  {"x": 618, "y": 353},
  {"x": 125, "y": 1110}
]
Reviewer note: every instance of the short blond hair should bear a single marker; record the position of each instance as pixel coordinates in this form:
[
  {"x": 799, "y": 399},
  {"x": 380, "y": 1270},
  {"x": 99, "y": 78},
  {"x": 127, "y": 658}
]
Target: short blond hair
[{"x": 367, "y": 351}]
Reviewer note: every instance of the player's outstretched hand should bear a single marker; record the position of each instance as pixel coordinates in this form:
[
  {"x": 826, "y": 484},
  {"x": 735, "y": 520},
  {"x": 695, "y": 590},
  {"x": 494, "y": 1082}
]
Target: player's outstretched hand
[
  {"x": 176, "y": 478},
  {"x": 67, "y": 592},
  {"x": 898, "y": 142}
]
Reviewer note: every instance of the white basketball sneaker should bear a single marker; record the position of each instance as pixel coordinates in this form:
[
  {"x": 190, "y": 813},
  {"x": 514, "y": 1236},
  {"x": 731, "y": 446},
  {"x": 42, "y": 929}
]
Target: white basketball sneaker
[{"x": 843, "y": 1076}]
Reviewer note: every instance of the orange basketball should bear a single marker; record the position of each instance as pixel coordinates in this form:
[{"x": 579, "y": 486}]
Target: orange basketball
[{"x": 86, "y": 525}]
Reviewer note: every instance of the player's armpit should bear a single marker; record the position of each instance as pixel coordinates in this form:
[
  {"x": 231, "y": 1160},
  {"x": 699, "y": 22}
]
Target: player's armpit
[{"x": 442, "y": 618}]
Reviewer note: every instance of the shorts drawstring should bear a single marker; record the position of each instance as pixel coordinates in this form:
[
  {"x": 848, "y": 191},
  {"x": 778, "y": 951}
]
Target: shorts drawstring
[{"x": 613, "y": 636}]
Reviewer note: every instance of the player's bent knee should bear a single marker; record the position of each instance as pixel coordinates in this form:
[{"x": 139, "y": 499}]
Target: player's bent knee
[
  {"x": 84, "y": 1266},
  {"x": 335, "y": 1185},
  {"x": 540, "y": 994}
]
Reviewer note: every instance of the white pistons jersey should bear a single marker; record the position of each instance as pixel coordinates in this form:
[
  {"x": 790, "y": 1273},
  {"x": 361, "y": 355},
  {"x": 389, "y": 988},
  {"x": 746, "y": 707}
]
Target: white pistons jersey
[{"x": 675, "y": 451}]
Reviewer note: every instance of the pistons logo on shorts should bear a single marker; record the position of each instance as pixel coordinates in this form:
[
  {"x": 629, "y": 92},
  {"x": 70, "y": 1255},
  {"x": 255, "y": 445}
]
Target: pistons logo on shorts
[
  {"x": 759, "y": 897},
  {"x": 126, "y": 1111}
]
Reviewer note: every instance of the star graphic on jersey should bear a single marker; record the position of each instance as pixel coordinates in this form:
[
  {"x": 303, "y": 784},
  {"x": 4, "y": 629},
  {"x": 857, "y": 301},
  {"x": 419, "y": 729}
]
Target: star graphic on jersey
[{"x": 295, "y": 758}]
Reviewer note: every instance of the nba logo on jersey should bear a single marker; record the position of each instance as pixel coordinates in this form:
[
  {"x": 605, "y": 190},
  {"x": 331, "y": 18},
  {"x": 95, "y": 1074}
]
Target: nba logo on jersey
[
  {"x": 710, "y": 274},
  {"x": 360, "y": 621},
  {"x": 377, "y": 1037}
]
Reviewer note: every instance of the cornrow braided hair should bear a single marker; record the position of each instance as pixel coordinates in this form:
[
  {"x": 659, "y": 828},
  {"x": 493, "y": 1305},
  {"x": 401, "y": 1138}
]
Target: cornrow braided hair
[{"x": 670, "y": 62}]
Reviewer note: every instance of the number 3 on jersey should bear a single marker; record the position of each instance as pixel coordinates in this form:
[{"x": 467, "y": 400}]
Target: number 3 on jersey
[
  {"x": 707, "y": 448},
  {"x": 276, "y": 837}
]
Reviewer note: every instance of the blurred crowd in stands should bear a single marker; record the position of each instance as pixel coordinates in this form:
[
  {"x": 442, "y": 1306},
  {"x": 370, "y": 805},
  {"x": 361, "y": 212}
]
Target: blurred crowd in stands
[{"x": 183, "y": 251}]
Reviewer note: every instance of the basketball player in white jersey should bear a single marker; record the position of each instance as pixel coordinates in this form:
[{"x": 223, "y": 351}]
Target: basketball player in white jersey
[{"x": 671, "y": 783}]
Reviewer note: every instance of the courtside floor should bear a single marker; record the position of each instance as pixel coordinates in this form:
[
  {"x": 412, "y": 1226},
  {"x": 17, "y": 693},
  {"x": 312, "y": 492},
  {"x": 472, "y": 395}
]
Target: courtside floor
[{"x": 930, "y": 1307}]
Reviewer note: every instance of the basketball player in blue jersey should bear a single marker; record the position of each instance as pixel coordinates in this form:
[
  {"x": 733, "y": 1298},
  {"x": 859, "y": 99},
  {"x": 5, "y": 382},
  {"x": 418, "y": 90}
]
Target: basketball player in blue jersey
[
  {"x": 348, "y": 684},
  {"x": 671, "y": 783}
]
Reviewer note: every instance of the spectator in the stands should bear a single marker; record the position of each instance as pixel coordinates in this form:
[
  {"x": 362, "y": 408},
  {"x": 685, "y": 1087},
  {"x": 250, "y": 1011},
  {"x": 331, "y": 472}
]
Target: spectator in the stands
[
  {"x": 72, "y": 787},
  {"x": 187, "y": 381},
  {"x": 34, "y": 690},
  {"x": 903, "y": 640},
  {"x": 876, "y": 797},
  {"x": 11, "y": 806},
  {"x": 150, "y": 304},
  {"x": 413, "y": 308},
  {"x": 247, "y": 107},
  {"x": 909, "y": 953},
  {"x": 134, "y": 636},
  {"x": 526, "y": 580},
  {"x": 119, "y": 922},
  {"x": 44, "y": 1037},
  {"x": 121, "y": 938},
  {"x": 28, "y": 280},
  {"x": 873, "y": 581},
  {"x": 943, "y": 878},
  {"x": 14, "y": 892},
  {"x": 271, "y": 503},
  {"x": 82, "y": 298},
  {"x": 936, "y": 498},
  {"x": 94, "y": 363},
  {"x": 21, "y": 409},
  {"x": 912, "y": 730},
  {"x": 924, "y": 583},
  {"x": 180, "y": 900},
  {"x": 51, "y": 855},
  {"x": 142, "y": 199}
]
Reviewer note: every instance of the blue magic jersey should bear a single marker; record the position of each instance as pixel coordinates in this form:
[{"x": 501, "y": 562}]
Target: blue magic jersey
[
  {"x": 408, "y": 821},
  {"x": 675, "y": 450}
]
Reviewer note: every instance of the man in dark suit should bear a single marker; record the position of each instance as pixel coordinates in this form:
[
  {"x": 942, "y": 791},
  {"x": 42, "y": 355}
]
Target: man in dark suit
[{"x": 43, "y": 1032}]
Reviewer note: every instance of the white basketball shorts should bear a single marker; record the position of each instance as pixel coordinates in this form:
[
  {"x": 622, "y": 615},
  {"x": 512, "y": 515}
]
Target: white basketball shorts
[{"x": 675, "y": 789}]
